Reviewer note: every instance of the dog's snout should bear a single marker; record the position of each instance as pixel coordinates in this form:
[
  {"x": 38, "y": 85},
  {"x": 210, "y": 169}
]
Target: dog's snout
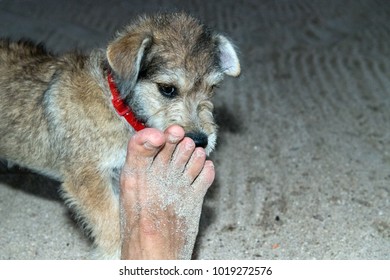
[{"x": 200, "y": 139}]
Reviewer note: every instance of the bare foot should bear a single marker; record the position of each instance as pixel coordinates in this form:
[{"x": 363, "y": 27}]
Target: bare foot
[{"x": 163, "y": 184}]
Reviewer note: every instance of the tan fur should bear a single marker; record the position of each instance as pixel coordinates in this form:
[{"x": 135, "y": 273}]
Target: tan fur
[{"x": 56, "y": 115}]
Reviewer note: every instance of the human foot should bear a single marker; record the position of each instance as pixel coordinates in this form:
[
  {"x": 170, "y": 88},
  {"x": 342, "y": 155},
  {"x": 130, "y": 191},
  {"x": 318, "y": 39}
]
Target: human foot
[{"x": 163, "y": 184}]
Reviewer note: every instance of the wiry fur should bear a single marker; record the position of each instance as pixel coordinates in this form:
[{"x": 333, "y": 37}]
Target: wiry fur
[{"x": 56, "y": 115}]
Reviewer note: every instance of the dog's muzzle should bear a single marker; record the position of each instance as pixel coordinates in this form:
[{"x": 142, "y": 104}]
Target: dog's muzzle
[{"x": 200, "y": 138}]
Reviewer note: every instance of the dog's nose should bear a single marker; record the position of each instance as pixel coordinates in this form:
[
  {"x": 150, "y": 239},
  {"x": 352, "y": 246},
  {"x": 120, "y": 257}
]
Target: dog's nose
[{"x": 199, "y": 138}]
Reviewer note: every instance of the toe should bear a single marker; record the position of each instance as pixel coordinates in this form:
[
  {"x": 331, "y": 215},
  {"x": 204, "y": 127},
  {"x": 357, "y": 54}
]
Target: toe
[
  {"x": 183, "y": 153},
  {"x": 195, "y": 164},
  {"x": 141, "y": 150},
  {"x": 205, "y": 178},
  {"x": 173, "y": 135},
  {"x": 143, "y": 147}
]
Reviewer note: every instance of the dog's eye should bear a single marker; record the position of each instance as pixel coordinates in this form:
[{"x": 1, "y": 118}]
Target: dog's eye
[{"x": 168, "y": 91}]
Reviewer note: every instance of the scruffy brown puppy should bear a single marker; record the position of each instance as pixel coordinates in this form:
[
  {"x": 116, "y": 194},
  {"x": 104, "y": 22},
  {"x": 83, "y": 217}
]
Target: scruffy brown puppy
[{"x": 70, "y": 117}]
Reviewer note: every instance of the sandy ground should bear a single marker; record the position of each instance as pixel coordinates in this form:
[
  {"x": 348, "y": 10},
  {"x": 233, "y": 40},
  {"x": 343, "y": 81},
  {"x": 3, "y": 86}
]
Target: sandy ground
[{"x": 303, "y": 159}]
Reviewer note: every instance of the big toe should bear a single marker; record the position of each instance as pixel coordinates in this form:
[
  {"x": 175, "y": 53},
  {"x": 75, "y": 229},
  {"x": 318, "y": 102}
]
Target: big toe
[{"x": 144, "y": 146}]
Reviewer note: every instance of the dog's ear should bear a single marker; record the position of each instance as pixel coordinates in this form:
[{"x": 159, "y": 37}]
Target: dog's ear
[
  {"x": 125, "y": 56},
  {"x": 228, "y": 57}
]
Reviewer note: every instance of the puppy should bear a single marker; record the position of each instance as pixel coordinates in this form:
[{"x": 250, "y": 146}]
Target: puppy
[{"x": 70, "y": 117}]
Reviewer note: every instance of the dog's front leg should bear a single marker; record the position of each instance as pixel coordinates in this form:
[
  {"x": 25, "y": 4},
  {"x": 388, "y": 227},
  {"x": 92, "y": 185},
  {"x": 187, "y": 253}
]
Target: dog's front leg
[{"x": 96, "y": 205}]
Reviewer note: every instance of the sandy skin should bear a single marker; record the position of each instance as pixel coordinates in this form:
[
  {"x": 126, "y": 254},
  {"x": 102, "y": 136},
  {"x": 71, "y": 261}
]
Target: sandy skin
[{"x": 163, "y": 184}]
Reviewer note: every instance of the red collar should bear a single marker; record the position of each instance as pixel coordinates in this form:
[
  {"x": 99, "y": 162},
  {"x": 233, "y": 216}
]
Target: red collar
[{"x": 121, "y": 107}]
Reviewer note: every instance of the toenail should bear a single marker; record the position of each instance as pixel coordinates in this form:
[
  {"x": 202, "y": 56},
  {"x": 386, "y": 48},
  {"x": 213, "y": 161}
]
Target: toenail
[
  {"x": 173, "y": 139},
  {"x": 199, "y": 153},
  {"x": 189, "y": 145},
  {"x": 149, "y": 146}
]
